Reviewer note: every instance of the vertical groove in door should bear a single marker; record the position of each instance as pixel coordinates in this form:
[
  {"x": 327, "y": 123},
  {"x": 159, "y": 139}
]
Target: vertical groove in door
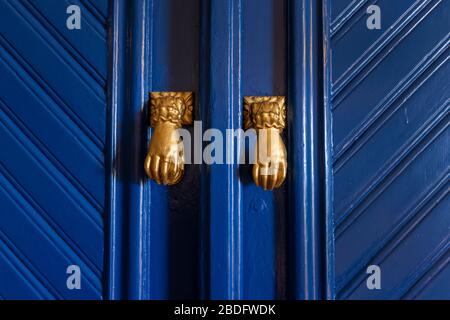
[
  {"x": 328, "y": 153},
  {"x": 307, "y": 223},
  {"x": 220, "y": 94}
]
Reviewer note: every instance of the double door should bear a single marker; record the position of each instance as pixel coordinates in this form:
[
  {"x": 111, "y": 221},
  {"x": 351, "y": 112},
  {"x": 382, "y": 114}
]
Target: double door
[{"x": 362, "y": 214}]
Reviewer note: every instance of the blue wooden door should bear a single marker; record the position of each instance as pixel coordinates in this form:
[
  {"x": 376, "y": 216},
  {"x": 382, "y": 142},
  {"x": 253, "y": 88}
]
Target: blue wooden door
[
  {"x": 387, "y": 95},
  {"x": 52, "y": 136},
  {"x": 367, "y": 140}
]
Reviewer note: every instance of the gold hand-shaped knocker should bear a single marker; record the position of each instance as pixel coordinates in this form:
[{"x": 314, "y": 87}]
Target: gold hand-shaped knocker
[
  {"x": 268, "y": 116},
  {"x": 165, "y": 158}
]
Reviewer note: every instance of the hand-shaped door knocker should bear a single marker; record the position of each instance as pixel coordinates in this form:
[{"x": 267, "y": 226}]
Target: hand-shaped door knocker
[
  {"x": 165, "y": 158},
  {"x": 268, "y": 116}
]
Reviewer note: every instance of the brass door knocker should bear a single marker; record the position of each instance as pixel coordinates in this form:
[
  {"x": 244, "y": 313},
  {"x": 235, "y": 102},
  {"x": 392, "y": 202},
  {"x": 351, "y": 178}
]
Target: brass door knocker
[
  {"x": 168, "y": 112},
  {"x": 267, "y": 115}
]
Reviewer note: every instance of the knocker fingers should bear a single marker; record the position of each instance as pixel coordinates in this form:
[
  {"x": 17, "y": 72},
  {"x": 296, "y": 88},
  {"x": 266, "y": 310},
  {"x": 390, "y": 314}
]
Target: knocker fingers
[
  {"x": 172, "y": 171},
  {"x": 178, "y": 175},
  {"x": 165, "y": 171},
  {"x": 263, "y": 176},
  {"x": 281, "y": 176},
  {"x": 269, "y": 176},
  {"x": 147, "y": 164},
  {"x": 154, "y": 168},
  {"x": 272, "y": 180},
  {"x": 255, "y": 173}
]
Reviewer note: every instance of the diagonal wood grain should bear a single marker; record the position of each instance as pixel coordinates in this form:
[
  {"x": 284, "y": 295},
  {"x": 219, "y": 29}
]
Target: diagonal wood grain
[
  {"x": 391, "y": 160},
  {"x": 52, "y": 134}
]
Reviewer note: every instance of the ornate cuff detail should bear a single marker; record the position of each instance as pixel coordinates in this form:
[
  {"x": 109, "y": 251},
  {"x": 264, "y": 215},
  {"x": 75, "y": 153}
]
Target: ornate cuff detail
[
  {"x": 173, "y": 107},
  {"x": 265, "y": 112}
]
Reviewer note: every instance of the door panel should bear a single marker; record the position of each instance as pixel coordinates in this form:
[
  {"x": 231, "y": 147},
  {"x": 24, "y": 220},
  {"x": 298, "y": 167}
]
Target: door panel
[
  {"x": 389, "y": 103},
  {"x": 52, "y": 123},
  {"x": 264, "y": 37},
  {"x": 245, "y": 55},
  {"x": 175, "y": 213}
]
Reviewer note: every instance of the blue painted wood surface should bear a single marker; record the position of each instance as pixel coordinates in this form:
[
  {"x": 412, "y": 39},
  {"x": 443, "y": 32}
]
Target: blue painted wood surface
[
  {"x": 220, "y": 105},
  {"x": 175, "y": 211},
  {"x": 154, "y": 230},
  {"x": 367, "y": 141},
  {"x": 264, "y": 63},
  {"x": 52, "y": 167},
  {"x": 388, "y": 97}
]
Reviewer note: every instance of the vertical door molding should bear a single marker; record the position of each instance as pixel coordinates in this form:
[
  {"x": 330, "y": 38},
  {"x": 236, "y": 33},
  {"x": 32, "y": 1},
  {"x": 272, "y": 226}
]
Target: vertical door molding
[
  {"x": 221, "y": 108},
  {"x": 327, "y": 129},
  {"x": 308, "y": 155},
  {"x": 128, "y": 254}
]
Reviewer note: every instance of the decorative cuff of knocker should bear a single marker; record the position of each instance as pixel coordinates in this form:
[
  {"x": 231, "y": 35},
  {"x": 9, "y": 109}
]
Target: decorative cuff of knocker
[
  {"x": 171, "y": 107},
  {"x": 265, "y": 112}
]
